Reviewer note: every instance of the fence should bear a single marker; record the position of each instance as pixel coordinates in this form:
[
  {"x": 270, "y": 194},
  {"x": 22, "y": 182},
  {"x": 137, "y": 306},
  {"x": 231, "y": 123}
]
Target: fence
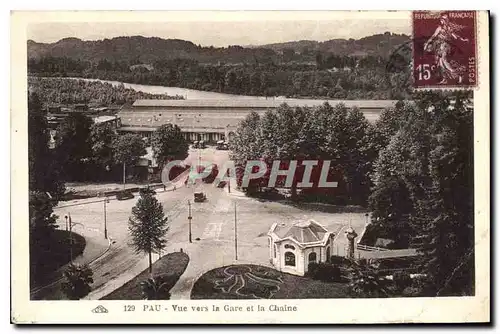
[{"x": 370, "y": 248}]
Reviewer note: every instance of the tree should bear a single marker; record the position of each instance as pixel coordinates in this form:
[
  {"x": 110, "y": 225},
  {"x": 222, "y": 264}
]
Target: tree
[
  {"x": 77, "y": 280},
  {"x": 429, "y": 163},
  {"x": 148, "y": 225},
  {"x": 448, "y": 243},
  {"x": 127, "y": 149},
  {"x": 101, "y": 141},
  {"x": 44, "y": 171},
  {"x": 168, "y": 144},
  {"x": 73, "y": 145},
  {"x": 42, "y": 223}
]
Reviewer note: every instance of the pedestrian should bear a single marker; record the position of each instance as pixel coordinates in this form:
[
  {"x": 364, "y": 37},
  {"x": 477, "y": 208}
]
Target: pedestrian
[
  {"x": 175, "y": 187},
  {"x": 164, "y": 188}
]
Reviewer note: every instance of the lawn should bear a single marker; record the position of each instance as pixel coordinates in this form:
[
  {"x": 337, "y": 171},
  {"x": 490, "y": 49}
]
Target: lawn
[
  {"x": 259, "y": 282},
  {"x": 55, "y": 256},
  {"x": 169, "y": 267}
]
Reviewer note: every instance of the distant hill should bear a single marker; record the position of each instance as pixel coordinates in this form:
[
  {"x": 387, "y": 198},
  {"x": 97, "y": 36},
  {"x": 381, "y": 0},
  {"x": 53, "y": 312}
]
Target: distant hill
[
  {"x": 147, "y": 50},
  {"x": 140, "y": 49},
  {"x": 376, "y": 45}
]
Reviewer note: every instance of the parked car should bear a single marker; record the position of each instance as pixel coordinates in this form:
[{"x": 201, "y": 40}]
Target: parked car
[
  {"x": 124, "y": 195},
  {"x": 222, "y": 145},
  {"x": 200, "y": 197}
]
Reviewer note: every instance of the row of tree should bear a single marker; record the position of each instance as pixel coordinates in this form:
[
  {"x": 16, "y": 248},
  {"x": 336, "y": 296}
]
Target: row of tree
[
  {"x": 64, "y": 91},
  {"x": 424, "y": 186},
  {"x": 413, "y": 167},
  {"x": 330, "y": 77},
  {"x": 337, "y": 133}
]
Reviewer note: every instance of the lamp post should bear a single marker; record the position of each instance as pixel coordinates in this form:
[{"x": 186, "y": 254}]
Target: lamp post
[
  {"x": 235, "y": 235},
  {"x": 105, "y": 201},
  {"x": 189, "y": 218},
  {"x": 71, "y": 224}
]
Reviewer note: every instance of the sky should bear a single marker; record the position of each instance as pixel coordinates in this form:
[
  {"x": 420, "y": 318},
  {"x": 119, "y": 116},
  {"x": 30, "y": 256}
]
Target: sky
[{"x": 253, "y": 31}]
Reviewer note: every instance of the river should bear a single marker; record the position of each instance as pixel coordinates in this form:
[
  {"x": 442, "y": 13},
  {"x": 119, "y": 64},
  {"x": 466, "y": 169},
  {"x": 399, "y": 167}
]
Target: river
[{"x": 191, "y": 94}]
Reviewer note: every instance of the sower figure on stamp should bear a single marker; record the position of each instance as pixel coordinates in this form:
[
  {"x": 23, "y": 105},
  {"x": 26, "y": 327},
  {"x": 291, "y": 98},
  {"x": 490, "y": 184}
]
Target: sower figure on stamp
[{"x": 440, "y": 43}]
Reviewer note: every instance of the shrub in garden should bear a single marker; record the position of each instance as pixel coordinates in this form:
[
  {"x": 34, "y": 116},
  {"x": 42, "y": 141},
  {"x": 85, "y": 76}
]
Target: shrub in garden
[
  {"x": 156, "y": 288},
  {"x": 401, "y": 280},
  {"x": 312, "y": 269},
  {"x": 325, "y": 272},
  {"x": 77, "y": 280},
  {"x": 340, "y": 261}
]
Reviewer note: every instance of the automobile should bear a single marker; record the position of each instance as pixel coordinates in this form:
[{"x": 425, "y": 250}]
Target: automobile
[
  {"x": 124, "y": 195},
  {"x": 200, "y": 197},
  {"x": 196, "y": 144},
  {"x": 222, "y": 145}
]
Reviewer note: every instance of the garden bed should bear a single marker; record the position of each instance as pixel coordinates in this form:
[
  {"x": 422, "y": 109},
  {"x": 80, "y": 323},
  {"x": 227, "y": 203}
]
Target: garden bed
[
  {"x": 259, "y": 282},
  {"x": 56, "y": 255},
  {"x": 169, "y": 268}
]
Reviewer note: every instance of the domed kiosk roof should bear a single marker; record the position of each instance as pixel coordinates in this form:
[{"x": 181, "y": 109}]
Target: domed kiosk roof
[{"x": 304, "y": 232}]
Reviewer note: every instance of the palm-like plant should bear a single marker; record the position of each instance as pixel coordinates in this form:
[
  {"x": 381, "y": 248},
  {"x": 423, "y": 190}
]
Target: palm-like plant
[
  {"x": 77, "y": 280},
  {"x": 154, "y": 288}
]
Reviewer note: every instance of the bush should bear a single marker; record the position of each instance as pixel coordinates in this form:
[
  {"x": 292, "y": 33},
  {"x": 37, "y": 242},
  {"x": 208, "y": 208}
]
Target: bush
[
  {"x": 312, "y": 269},
  {"x": 156, "y": 288},
  {"x": 124, "y": 195},
  {"x": 401, "y": 280},
  {"x": 324, "y": 272},
  {"x": 339, "y": 261}
]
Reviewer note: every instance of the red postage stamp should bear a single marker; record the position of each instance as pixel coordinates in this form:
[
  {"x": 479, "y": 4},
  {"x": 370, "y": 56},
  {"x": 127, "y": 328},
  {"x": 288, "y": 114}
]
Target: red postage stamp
[{"x": 444, "y": 49}]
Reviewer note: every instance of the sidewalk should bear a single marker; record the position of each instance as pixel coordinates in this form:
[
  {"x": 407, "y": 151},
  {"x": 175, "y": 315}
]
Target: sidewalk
[{"x": 114, "y": 284}]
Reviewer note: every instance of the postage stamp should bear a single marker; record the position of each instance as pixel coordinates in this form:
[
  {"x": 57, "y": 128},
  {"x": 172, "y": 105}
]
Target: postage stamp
[
  {"x": 444, "y": 49},
  {"x": 250, "y": 167}
]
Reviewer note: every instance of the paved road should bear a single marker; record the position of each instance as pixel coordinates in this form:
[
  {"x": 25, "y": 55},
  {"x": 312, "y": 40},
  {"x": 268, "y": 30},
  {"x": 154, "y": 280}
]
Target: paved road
[{"x": 213, "y": 232}]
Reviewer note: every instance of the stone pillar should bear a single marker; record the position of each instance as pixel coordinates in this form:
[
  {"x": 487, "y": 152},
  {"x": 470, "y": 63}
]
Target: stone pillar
[{"x": 350, "y": 235}]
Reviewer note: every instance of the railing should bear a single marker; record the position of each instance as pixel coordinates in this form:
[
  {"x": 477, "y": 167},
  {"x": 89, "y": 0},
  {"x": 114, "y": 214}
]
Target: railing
[{"x": 370, "y": 248}]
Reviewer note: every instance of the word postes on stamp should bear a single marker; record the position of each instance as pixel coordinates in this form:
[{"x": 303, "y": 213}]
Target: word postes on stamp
[{"x": 444, "y": 49}]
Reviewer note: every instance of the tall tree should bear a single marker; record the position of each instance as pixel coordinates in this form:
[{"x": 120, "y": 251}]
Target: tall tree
[
  {"x": 429, "y": 163},
  {"x": 73, "y": 144},
  {"x": 148, "y": 225},
  {"x": 42, "y": 224},
  {"x": 127, "y": 149},
  {"x": 44, "y": 171},
  {"x": 168, "y": 144},
  {"x": 101, "y": 140}
]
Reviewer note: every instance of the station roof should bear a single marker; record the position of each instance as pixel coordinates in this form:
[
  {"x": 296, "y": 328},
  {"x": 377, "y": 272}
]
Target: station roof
[{"x": 258, "y": 102}]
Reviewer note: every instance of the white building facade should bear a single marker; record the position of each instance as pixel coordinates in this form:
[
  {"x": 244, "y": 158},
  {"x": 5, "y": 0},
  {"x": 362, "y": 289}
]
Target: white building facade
[{"x": 293, "y": 247}]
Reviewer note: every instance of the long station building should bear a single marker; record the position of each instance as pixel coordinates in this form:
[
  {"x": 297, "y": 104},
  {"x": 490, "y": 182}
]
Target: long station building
[{"x": 212, "y": 120}]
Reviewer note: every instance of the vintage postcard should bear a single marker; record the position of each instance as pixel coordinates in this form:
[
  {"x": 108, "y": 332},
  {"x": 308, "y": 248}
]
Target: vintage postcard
[{"x": 250, "y": 167}]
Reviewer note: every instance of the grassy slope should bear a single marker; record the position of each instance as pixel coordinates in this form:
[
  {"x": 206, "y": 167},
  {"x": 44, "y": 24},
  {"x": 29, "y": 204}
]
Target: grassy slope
[
  {"x": 57, "y": 256},
  {"x": 171, "y": 265}
]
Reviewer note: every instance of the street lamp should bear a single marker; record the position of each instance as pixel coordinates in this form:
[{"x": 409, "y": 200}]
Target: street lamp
[
  {"x": 189, "y": 218},
  {"x": 71, "y": 224},
  {"x": 105, "y": 201}
]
